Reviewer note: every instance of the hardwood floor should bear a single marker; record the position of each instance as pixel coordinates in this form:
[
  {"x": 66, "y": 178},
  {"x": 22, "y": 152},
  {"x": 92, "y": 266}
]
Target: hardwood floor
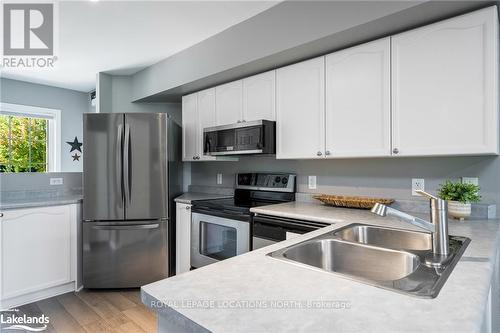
[{"x": 95, "y": 311}]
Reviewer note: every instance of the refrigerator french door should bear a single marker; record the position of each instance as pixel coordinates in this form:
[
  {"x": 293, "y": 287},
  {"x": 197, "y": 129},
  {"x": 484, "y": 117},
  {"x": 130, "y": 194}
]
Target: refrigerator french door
[{"x": 127, "y": 232}]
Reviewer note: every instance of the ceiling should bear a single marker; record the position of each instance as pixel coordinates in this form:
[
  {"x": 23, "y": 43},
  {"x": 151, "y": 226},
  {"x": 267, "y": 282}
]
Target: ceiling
[{"x": 123, "y": 37}]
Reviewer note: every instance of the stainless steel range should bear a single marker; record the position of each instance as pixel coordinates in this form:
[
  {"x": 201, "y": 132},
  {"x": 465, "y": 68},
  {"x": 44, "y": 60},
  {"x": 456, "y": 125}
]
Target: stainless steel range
[{"x": 222, "y": 228}]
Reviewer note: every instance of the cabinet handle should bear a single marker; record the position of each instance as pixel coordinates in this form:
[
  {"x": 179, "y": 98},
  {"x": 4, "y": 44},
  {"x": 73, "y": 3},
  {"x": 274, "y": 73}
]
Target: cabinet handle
[
  {"x": 194, "y": 157},
  {"x": 1, "y": 214},
  {"x": 319, "y": 153},
  {"x": 197, "y": 157},
  {"x": 327, "y": 152},
  {"x": 395, "y": 151}
]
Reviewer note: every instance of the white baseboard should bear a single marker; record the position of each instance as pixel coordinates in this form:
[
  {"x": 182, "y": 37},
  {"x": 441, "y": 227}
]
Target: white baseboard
[{"x": 13, "y": 302}]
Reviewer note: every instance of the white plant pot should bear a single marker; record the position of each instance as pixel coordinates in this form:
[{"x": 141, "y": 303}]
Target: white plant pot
[{"x": 459, "y": 210}]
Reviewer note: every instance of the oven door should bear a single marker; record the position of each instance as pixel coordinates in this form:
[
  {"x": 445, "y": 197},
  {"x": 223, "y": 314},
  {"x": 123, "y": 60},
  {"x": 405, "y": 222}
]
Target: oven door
[{"x": 215, "y": 238}]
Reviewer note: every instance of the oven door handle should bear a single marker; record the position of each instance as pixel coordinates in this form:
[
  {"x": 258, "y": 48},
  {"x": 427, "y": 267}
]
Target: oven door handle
[
  {"x": 289, "y": 223},
  {"x": 222, "y": 213}
]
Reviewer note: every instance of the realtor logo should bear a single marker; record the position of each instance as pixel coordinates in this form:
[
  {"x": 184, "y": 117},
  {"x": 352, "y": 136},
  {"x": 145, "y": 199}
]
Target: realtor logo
[{"x": 28, "y": 29}]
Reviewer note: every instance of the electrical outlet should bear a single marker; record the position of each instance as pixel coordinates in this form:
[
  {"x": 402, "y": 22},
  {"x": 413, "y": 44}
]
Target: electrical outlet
[
  {"x": 470, "y": 180},
  {"x": 219, "y": 179},
  {"x": 312, "y": 182},
  {"x": 56, "y": 181},
  {"x": 417, "y": 184}
]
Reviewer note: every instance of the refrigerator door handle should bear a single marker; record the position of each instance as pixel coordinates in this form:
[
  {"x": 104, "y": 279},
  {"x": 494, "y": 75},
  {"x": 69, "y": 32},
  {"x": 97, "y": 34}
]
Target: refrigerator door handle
[
  {"x": 126, "y": 165},
  {"x": 119, "y": 156},
  {"x": 126, "y": 227}
]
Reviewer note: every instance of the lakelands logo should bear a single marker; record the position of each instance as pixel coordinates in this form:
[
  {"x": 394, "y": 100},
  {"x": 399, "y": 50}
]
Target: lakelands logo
[
  {"x": 28, "y": 35},
  {"x": 9, "y": 320}
]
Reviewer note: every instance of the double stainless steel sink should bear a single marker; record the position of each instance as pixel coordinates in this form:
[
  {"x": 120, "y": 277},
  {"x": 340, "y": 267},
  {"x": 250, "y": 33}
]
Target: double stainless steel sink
[{"x": 388, "y": 258}]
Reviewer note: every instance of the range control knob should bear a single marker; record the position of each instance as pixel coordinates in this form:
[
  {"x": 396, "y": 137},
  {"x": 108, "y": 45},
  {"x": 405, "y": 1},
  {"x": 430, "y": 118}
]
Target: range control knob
[
  {"x": 284, "y": 180},
  {"x": 277, "y": 179}
]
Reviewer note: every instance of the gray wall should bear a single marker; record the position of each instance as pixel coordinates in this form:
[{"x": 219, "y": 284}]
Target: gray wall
[
  {"x": 284, "y": 26},
  {"x": 71, "y": 103},
  {"x": 290, "y": 31},
  {"x": 114, "y": 94},
  {"x": 387, "y": 177}
]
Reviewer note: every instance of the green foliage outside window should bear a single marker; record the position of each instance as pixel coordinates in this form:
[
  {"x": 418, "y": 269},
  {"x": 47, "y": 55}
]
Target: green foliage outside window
[{"x": 23, "y": 144}]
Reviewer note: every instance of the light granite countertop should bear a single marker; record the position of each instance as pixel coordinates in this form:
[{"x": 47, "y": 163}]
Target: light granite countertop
[
  {"x": 246, "y": 293},
  {"x": 188, "y": 197},
  {"x": 39, "y": 202}
]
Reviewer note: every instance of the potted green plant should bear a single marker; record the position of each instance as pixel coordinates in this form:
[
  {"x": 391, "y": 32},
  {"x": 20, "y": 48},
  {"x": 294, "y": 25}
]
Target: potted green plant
[{"x": 459, "y": 196}]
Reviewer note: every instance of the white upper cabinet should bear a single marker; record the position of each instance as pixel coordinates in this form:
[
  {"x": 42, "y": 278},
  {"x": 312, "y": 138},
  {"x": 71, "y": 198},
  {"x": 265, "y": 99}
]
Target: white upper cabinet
[
  {"x": 259, "y": 100},
  {"x": 229, "y": 103},
  {"x": 190, "y": 127},
  {"x": 358, "y": 108},
  {"x": 445, "y": 87},
  {"x": 206, "y": 116},
  {"x": 300, "y": 110},
  {"x": 198, "y": 112}
]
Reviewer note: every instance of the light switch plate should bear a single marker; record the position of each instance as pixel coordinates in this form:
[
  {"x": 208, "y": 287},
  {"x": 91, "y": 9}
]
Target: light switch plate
[
  {"x": 470, "y": 180},
  {"x": 417, "y": 184},
  {"x": 56, "y": 181},
  {"x": 312, "y": 182},
  {"x": 219, "y": 179}
]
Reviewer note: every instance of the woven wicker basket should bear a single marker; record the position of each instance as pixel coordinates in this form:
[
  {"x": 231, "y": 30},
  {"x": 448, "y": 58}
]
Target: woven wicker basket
[{"x": 351, "y": 202}]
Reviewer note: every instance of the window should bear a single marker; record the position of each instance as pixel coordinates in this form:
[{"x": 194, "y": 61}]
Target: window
[{"x": 29, "y": 139}]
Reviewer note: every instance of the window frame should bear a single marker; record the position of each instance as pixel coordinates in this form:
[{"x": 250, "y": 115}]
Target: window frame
[{"x": 53, "y": 133}]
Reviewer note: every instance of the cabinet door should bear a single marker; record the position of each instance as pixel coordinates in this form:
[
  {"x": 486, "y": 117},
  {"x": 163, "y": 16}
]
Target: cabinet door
[
  {"x": 300, "y": 110},
  {"x": 259, "y": 97},
  {"x": 206, "y": 118},
  {"x": 445, "y": 87},
  {"x": 190, "y": 127},
  {"x": 183, "y": 238},
  {"x": 358, "y": 109},
  {"x": 35, "y": 251},
  {"x": 229, "y": 103}
]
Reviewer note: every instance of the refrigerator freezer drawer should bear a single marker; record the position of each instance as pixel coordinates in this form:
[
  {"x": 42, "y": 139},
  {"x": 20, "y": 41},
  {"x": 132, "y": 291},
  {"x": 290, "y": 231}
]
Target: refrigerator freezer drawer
[{"x": 124, "y": 255}]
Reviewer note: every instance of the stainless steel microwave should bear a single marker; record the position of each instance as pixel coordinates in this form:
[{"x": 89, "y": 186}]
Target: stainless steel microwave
[{"x": 253, "y": 137}]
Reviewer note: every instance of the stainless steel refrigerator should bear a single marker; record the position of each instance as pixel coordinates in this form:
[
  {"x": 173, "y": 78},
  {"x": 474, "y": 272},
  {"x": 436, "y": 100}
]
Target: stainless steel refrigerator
[{"x": 131, "y": 173}]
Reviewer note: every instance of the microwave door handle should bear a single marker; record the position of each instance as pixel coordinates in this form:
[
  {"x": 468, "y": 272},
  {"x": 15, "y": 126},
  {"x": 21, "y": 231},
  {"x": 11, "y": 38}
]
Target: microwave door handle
[
  {"x": 206, "y": 146},
  {"x": 262, "y": 137}
]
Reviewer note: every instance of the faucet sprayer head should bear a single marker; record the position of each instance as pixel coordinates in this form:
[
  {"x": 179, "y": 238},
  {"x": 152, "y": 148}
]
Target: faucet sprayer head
[{"x": 379, "y": 209}]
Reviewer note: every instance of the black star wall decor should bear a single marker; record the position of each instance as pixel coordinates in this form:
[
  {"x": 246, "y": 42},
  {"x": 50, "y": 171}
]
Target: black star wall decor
[
  {"x": 76, "y": 157},
  {"x": 75, "y": 145}
]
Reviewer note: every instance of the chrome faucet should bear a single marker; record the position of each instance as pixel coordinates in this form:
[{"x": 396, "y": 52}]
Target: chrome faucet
[{"x": 438, "y": 225}]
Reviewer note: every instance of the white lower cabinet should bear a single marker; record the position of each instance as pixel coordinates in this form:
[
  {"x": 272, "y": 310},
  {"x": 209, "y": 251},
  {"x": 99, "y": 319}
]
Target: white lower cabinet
[
  {"x": 183, "y": 238},
  {"x": 38, "y": 253}
]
